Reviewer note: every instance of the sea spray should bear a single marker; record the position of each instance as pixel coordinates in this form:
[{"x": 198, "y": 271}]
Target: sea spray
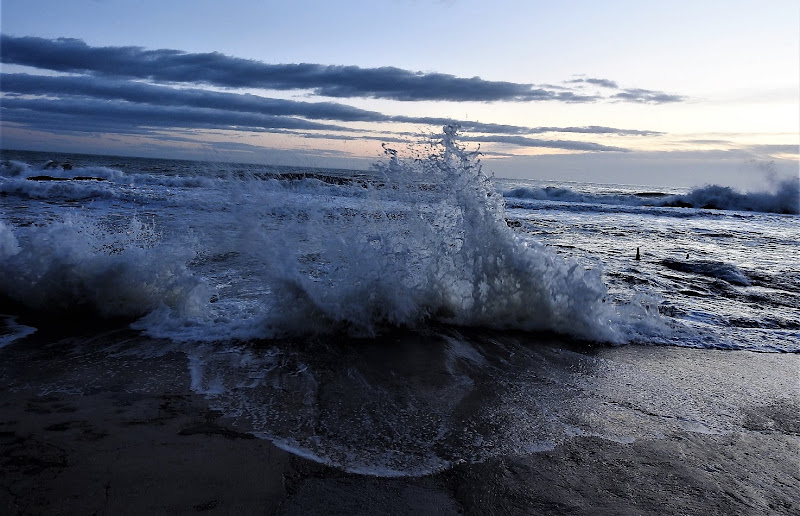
[
  {"x": 439, "y": 250},
  {"x": 77, "y": 264}
]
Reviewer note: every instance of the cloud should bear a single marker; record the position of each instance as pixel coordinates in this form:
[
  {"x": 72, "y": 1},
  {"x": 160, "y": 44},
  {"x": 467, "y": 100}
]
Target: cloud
[
  {"x": 481, "y": 127},
  {"x": 605, "y": 83},
  {"x": 512, "y": 140},
  {"x": 521, "y": 130},
  {"x": 701, "y": 141},
  {"x": 94, "y": 115},
  {"x": 166, "y": 65},
  {"x": 84, "y": 88},
  {"x": 596, "y": 129},
  {"x": 98, "y": 116},
  {"x": 731, "y": 147},
  {"x": 647, "y": 96},
  {"x": 638, "y": 95},
  {"x": 118, "y": 92},
  {"x": 383, "y": 138},
  {"x": 139, "y": 92},
  {"x": 521, "y": 141}
]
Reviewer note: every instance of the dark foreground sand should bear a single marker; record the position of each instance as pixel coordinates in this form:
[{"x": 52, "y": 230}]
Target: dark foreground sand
[{"x": 83, "y": 431}]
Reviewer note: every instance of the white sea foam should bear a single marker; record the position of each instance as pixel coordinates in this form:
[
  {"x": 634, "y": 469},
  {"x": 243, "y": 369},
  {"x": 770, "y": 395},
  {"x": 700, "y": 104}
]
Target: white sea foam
[{"x": 76, "y": 263}]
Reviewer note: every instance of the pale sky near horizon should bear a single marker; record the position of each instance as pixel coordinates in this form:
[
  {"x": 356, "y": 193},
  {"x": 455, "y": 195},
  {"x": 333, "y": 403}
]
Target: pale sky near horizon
[{"x": 679, "y": 93}]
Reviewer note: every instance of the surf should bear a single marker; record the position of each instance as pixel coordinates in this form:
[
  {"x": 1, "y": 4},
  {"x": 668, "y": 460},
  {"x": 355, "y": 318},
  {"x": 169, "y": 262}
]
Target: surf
[{"x": 420, "y": 239}]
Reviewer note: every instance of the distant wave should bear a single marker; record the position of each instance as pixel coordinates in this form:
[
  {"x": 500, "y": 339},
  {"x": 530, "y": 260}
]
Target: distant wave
[
  {"x": 556, "y": 193},
  {"x": 64, "y": 181},
  {"x": 785, "y": 199},
  {"x": 55, "y": 171}
]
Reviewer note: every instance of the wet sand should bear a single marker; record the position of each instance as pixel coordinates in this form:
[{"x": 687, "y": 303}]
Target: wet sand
[{"x": 90, "y": 429}]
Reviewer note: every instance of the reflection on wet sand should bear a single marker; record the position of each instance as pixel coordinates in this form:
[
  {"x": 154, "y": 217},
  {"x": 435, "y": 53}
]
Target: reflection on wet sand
[{"x": 414, "y": 403}]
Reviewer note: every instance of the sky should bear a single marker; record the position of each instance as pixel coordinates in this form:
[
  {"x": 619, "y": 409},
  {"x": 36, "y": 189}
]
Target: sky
[{"x": 679, "y": 93}]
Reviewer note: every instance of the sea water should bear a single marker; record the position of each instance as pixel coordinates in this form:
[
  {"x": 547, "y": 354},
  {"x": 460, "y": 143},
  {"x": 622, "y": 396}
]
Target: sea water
[{"x": 355, "y": 316}]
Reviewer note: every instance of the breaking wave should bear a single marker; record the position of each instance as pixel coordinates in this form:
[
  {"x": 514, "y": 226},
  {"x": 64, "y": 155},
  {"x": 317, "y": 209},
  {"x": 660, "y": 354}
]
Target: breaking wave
[
  {"x": 76, "y": 265},
  {"x": 424, "y": 240},
  {"x": 785, "y": 199},
  {"x": 561, "y": 194},
  {"x": 419, "y": 240}
]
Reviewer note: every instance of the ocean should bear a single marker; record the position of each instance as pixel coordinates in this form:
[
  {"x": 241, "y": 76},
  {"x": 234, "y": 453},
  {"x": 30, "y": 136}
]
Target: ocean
[{"x": 405, "y": 319}]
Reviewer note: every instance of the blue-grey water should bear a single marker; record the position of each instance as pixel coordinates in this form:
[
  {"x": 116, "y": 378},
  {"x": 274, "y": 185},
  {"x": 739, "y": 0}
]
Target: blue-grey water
[{"x": 289, "y": 290}]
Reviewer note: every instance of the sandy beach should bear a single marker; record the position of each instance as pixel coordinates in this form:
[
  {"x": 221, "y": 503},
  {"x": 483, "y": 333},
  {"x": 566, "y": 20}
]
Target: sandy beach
[{"x": 87, "y": 427}]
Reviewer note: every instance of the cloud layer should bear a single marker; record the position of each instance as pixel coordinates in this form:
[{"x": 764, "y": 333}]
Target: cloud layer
[
  {"x": 131, "y": 90},
  {"x": 167, "y": 65},
  {"x": 82, "y": 87}
]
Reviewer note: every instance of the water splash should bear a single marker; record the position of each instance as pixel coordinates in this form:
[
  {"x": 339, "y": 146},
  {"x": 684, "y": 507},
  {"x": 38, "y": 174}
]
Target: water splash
[{"x": 426, "y": 241}]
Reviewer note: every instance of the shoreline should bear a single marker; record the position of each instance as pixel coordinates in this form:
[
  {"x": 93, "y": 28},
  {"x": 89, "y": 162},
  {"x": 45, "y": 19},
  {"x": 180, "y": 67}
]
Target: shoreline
[{"x": 93, "y": 429}]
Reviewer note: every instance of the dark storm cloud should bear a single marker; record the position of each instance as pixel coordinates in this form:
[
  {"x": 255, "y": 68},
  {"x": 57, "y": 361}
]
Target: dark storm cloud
[
  {"x": 86, "y": 115},
  {"x": 91, "y": 116},
  {"x": 167, "y": 65},
  {"x": 86, "y": 87},
  {"x": 109, "y": 89},
  {"x": 75, "y": 56},
  {"x": 59, "y": 123},
  {"x": 124, "y": 115}
]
